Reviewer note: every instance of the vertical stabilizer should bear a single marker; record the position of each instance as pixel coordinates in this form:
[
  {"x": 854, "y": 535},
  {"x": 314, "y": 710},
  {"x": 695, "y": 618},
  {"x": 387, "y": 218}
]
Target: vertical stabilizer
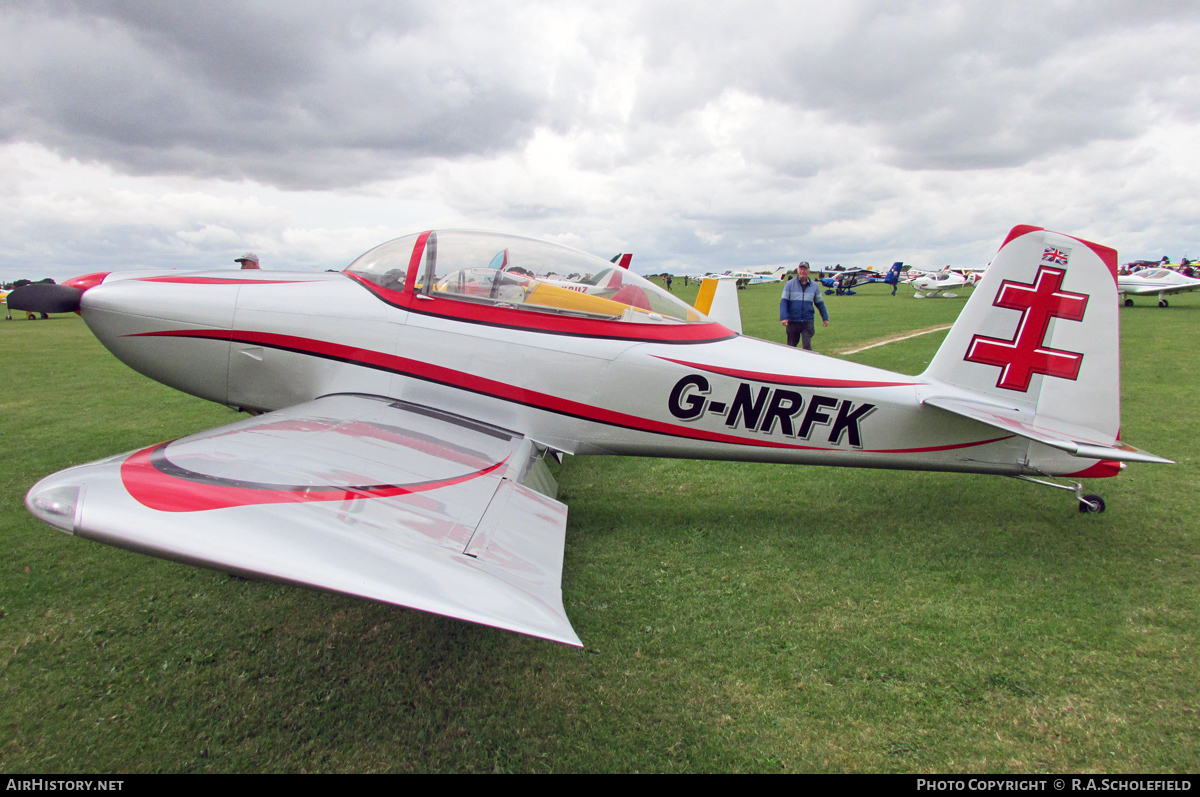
[
  {"x": 718, "y": 299},
  {"x": 1041, "y": 332}
]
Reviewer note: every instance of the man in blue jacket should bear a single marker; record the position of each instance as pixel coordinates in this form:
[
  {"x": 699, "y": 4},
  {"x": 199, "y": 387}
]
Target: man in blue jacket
[{"x": 796, "y": 307}]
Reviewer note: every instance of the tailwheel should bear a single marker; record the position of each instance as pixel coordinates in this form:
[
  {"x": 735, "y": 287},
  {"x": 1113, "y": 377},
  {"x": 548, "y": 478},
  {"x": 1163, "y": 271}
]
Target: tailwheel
[{"x": 1090, "y": 503}]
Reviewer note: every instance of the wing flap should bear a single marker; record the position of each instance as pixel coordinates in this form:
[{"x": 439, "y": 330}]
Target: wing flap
[{"x": 348, "y": 494}]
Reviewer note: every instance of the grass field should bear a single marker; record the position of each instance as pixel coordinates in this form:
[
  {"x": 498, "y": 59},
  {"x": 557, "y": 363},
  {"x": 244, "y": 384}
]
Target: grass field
[{"x": 736, "y": 617}]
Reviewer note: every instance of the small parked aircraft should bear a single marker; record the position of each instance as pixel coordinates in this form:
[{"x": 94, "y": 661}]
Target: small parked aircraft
[
  {"x": 939, "y": 283},
  {"x": 404, "y": 408},
  {"x": 744, "y": 277},
  {"x": 1154, "y": 281},
  {"x": 843, "y": 282},
  {"x": 778, "y": 275},
  {"x": 857, "y": 277}
]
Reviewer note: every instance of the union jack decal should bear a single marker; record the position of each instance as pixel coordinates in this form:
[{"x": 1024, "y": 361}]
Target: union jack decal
[{"x": 1057, "y": 256}]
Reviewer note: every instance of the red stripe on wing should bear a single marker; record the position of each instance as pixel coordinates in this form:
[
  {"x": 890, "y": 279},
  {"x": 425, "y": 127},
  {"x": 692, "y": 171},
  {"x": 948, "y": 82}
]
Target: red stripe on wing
[{"x": 156, "y": 489}]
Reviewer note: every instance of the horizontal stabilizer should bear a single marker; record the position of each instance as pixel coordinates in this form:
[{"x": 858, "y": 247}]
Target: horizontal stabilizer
[{"x": 1075, "y": 440}]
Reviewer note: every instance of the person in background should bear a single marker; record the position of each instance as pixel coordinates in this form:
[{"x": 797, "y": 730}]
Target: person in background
[
  {"x": 248, "y": 260},
  {"x": 796, "y": 308}
]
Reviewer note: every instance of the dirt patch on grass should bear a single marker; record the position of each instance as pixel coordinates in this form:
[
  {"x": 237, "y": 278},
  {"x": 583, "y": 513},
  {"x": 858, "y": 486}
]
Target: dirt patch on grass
[{"x": 893, "y": 339}]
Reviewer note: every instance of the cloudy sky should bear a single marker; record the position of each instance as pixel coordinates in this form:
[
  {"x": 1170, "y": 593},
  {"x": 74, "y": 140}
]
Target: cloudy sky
[{"x": 697, "y": 136}]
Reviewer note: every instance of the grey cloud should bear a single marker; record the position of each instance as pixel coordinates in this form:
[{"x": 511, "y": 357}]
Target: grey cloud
[
  {"x": 306, "y": 95},
  {"x": 720, "y": 135},
  {"x": 944, "y": 85},
  {"x": 292, "y": 94}
]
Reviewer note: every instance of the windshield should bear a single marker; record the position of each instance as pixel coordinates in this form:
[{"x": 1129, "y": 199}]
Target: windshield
[{"x": 523, "y": 273}]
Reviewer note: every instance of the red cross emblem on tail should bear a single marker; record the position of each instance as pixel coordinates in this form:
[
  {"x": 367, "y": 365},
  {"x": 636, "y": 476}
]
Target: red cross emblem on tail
[{"x": 1023, "y": 356}]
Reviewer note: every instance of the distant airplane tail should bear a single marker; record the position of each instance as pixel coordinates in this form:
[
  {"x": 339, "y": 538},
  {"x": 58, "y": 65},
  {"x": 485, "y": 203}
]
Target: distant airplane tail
[
  {"x": 1036, "y": 350},
  {"x": 718, "y": 299},
  {"x": 893, "y": 273}
]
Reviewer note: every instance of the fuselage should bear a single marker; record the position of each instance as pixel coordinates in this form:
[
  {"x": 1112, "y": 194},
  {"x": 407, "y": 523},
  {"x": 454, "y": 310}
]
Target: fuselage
[
  {"x": 941, "y": 281},
  {"x": 262, "y": 341},
  {"x": 1157, "y": 281}
]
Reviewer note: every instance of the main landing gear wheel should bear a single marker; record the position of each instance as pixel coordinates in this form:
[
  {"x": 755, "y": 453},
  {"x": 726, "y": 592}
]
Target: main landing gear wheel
[
  {"x": 1091, "y": 503},
  {"x": 1163, "y": 303},
  {"x": 1129, "y": 302}
]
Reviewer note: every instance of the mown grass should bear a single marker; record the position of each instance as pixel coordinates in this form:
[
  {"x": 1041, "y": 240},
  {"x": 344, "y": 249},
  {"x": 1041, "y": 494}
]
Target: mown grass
[{"x": 736, "y": 617}]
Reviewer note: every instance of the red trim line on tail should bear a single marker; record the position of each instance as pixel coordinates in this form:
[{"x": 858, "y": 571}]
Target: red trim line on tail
[
  {"x": 1101, "y": 470},
  {"x": 1107, "y": 254},
  {"x": 1018, "y": 231}
]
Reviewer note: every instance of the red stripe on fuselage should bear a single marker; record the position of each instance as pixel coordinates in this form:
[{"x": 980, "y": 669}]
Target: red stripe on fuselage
[
  {"x": 85, "y": 281},
  {"x": 429, "y": 372},
  {"x": 785, "y": 379},
  {"x": 217, "y": 281}
]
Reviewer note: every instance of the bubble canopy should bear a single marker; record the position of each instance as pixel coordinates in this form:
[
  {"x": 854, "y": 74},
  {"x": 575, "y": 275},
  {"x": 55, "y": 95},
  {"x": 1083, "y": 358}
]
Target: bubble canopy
[{"x": 508, "y": 271}]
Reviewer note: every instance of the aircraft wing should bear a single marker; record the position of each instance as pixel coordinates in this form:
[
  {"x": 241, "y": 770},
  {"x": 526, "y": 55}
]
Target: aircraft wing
[
  {"x": 387, "y": 500},
  {"x": 1075, "y": 440}
]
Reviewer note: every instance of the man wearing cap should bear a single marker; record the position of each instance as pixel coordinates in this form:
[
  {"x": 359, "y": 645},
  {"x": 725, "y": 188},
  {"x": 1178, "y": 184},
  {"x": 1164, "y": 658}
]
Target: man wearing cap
[
  {"x": 248, "y": 260},
  {"x": 796, "y": 312}
]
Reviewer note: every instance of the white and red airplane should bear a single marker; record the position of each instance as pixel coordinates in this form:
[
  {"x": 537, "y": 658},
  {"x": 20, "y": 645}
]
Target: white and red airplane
[
  {"x": 1161, "y": 282},
  {"x": 404, "y": 407},
  {"x": 937, "y": 283},
  {"x": 753, "y": 277}
]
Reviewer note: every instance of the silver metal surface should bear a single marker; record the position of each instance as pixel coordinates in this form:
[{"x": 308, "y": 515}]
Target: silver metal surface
[{"x": 224, "y": 503}]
